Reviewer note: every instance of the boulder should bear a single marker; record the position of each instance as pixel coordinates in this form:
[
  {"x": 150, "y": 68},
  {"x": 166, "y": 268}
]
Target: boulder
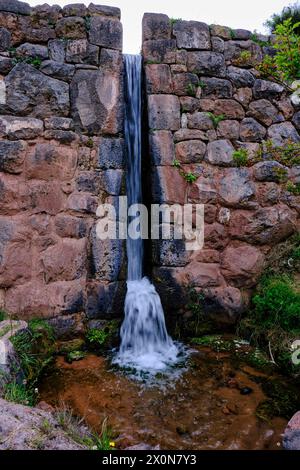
[
  {"x": 235, "y": 187},
  {"x": 199, "y": 120},
  {"x": 264, "y": 89},
  {"x": 156, "y": 26},
  {"x": 185, "y": 84},
  {"x": 88, "y": 181},
  {"x": 189, "y": 134},
  {"x": 164, "y": 112},
  {"x": 230, "y": 108},
  {"x": 189, "y": 104},
  {"x": 269, "y": 171},
  {"x": 264, "y": 112},
  {"x": 203, "y": 274},
  {"x": 219, "y": 152},
  {"x": 229, "y": 129},
  {"x": 291, "y": 436},
  {"x": 251, "y": 130},
  {"x": 57, "y": 70},
  {"x": 240, "y": 77},
  {"x": 215, "y": 87},
  {"x": 192, "y": 35},
  {"x": 83, "y": 203},
  {"x": 190, "y": 151},
  {"x": 217, "y": 44},
  {"x": 106, "y": 32},
  {"x": 28, "y": 91},
  {"x": 32, "y": 50},
  {"x": 76, "y": 9},
  {"x": 223, "y": 32},
  {"x": 243, "y": 96},
  {"x": 14, "y": 6},
  {"x": 280, "y": 133},
  {"x": 242, "y": 265},
  {"x": 206, "y": 63},
  {"x": 104, "y": 10},
  {"x": 71, "y": 227}
]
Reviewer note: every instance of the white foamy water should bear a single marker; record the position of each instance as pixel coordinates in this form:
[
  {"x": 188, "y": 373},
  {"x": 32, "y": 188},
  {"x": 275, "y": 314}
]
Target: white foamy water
[{"x": 145, "y": 343}]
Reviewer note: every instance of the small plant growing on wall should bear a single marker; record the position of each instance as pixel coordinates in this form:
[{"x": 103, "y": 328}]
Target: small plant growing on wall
[
  {"x": 216, "y": 118},
  {"x": 188, "y": 176},
  {"x": 293, "y": 188},
  {"x": 240, "y": 157}
]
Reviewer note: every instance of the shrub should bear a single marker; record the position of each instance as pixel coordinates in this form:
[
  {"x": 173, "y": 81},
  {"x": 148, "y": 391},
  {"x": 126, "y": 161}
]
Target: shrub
[
  {"x": 288, "y": 155},
  {"x": 240, "y": 157},
  {"x": 291, "y": 12}
]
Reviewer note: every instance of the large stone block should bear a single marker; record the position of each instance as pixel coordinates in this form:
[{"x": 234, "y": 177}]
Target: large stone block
[
  {"x": 203, "y": 274},
  {"x": 269, "y": 171},
  {"x": 14, "y": 6},
  {"x": 106, "y": 32},
  {"x": 20, "y": 128},
  {"x": 72, "y": 227},
  {"x": 104, "y": 10},
  {"x": 265, "y": 112},
  {"x": 12, "y": 155},
  {"x": 190, "y": 151},
  {"x": 88, "y": 181},
  {"x": 32, "y": 50},
  {"x": 240, "y": 77},
  {"x": 251, "y": 130},
  {"x": 111, "y": 181},
  {"x": 235, "y": 187},
  {"x": 80, "y": 51},
  {"x": 107, "y": 257},
  {"x": 72, "y": 27},
  {"x": 47, "y": 162},
  {"x": 29, "y": 91},
  {"x": 265, "y": 89},
  {"x": 280, "y": 133},
  {"x": 96, "y": 101},
  {"x": 199, "y": 120},
  {"x": 216, "y": 87},
  {"x": 185, "y": 84},
  {"x": 158, "y": 78},
  {"x": 168, "y": 186},
  {"x": 164, "y": 112},
  {"x": 192, "y": 35},
  {"x": 105, "y": 300},
  {"x": 219, "y": 152},
  {"x": 111, "y": 153},
  {"x": 230, "y": 108},
  {"x": 5, "y": 39},
  {"x": 162, "y": 147},
  {"x": 160, "y": 51},
  {"x": 57, "y": 70},
  {"x": 206, "y": 63},
  {"x": 65, "y": 261},
  {"x": 242, "y": 265},
  {"x": 57, "y": 50},
  {"x": 83, "y": 203},
  {"x": 156, "y": 26}
]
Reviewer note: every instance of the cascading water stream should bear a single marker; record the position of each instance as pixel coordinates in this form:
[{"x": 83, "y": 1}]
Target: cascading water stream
[{"x": 145, "y": 343}]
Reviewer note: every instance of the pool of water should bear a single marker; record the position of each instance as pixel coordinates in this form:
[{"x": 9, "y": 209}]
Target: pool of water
[{"x": 211, "y": 404}]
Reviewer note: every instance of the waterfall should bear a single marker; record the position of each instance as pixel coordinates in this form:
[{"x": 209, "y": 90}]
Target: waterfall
[{"x": 145, "y": 343}]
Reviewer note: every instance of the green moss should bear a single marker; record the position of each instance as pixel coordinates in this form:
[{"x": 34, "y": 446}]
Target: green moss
[
  {"x": 216, "y": 118},
  {"x": 3, "y": 315},
  {"x": 240, "y": 157},
  {"x": 89, "y": 143},
  {"x": 19, "y": 393},
  {"x": 215, "y": 342},
  {"x": 98, "y": 339},
  {"x": 75, "y": 356},
  {"x": 293, "y": 188}
]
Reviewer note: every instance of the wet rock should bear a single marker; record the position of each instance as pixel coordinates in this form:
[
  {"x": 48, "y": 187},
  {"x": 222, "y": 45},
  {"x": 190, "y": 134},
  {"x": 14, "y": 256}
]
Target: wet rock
[
  {"x": 264, "y": 89},
  {"x": 216, "y": 87},
  {"x": 280, "y": 133},
  {"x": 104, "y": 300},
  {"x": 12, "y": 155},
  {"x": 190, "y": 151},
  {"x": 20, "y": 128},
  {"x": 242, "y": 265},
  {"x": 107, "y": 258},
  {"x": 80, "y": 51},
  {"x": 269, "y": 171},
  {"x": 206, "y": 63},
  {"x": 169, "y": 252},
  {"x": 164, "y": 112},
  {"x": 219, "y": 152},
  {"x": 235, "y": 187},
  {"x": 95, "y": 101},
  {"x": 162, "y": 147},
  {"x": 112, "y": 181},
  {"x": 57, "y": 70},
  {"x": 111, "y": 153},
  {"x": 72, "y": 27},
  {"x": 160, "y": 51},
  {"x": 14, "y": 6},
  {"x": 156, "y": 26},
  {"x": 240, "y": 77},
  {"x": 5, "y": 39},
  {"x": 57, "y": 50},
  {"x": 158, "y": 78},
  {"x": 28, "y": 91},
  {"x": 251, "y": 130},
  {"x": 106, "y": 32},
  {"x": 199, "y": 121},
  {"x": 191, "y": 35}
]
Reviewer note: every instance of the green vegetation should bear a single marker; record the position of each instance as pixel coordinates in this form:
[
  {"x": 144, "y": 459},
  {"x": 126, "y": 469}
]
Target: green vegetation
[
  {"x": 288, "y": 155},
  {"x": 34, "y": 61},
  {"x": 75, "y": 356},
  {"x": 98, "y": 339},
  {"x": 216, "y": 119},
  {"x": 35, "y": 349},
  {"x": 191, "y": 89},
  {"x": 232, "y": 33},
  {"x": 291, "y": 12},
  {"x": 274, "y": 321},
  {"x": 188, "y": 176},
  {"x": 284, "y": 66},
  {"x": 19, "y": 393},
  {"x": 254, "y": 38},
  {"x": 293, "y": 188},
  {"x": 3, "y": 315},
  {"x": 244, "y": 59},
  {"x": 173, "y": 21},
  {"x": 87, "y": 20},
  {"x": 240, "y": 157},
  {"x": 283, "y": 400},
  {"x": 89, "y": 143}
]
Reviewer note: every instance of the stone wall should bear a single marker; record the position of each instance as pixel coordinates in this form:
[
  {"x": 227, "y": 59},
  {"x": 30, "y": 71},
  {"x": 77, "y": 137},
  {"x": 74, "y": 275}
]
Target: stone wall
[
  {"x": 192, "y": 69},
  {"x": 61, "y": 155}
]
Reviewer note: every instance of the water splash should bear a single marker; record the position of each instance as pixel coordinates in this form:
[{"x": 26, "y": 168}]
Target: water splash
[{"x": 145, "y": 343}]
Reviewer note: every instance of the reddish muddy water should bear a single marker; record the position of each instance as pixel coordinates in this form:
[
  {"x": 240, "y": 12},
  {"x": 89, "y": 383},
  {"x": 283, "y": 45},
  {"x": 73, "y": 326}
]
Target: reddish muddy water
[{"x": 204, "y": 409}]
